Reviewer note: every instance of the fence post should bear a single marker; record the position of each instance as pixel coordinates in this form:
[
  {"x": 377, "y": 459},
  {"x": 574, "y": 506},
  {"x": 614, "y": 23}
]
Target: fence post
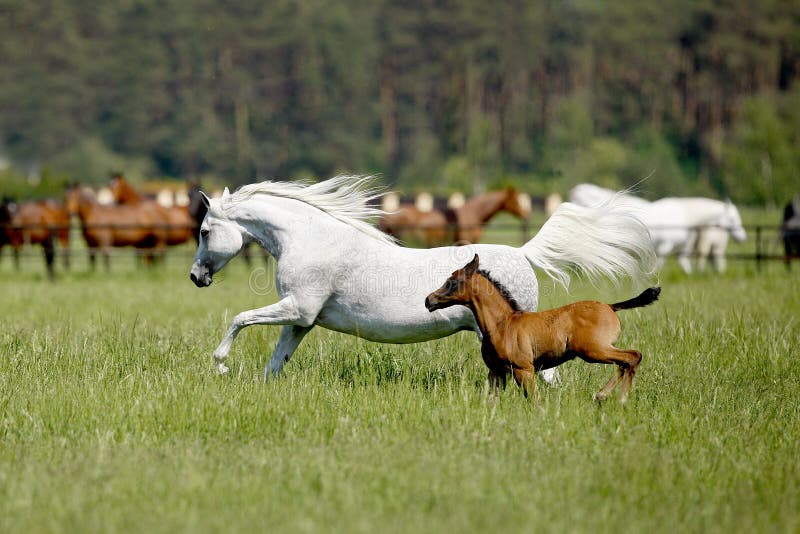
[{"x": 758, "y": 248}]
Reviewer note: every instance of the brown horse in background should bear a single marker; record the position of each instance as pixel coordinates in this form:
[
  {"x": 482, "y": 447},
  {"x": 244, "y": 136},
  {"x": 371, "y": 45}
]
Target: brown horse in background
[
  {"x": 460, "y": 225},
  {"x": 178, "y": 223},
  {"x": 36, "y": 222},
  {"x": 134, "y": 225}
]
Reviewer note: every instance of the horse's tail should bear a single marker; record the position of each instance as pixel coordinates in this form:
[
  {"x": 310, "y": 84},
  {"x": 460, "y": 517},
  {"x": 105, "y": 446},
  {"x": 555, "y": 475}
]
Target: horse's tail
[
  {"x": 647, "y": 297},
  {"x": 605, "y": 241}
]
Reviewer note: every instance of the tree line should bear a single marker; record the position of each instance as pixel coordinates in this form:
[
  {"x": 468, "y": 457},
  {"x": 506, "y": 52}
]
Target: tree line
[{"x": 680, "y": 97}]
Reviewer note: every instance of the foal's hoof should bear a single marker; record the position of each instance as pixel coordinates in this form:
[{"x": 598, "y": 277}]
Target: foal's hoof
[{"x": 222, "y": 369}]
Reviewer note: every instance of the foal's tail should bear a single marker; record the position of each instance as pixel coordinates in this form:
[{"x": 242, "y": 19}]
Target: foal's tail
[
  {"x": 648, "y": 296},
  {"x": 605, "y": 241}
]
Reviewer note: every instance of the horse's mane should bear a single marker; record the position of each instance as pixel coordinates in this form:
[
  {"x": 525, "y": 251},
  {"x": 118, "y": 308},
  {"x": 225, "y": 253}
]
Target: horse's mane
[
  {"x": 594, "y": 195},
  {"x": 345, "y": 198},
  {"x": 503, "y": 290}
]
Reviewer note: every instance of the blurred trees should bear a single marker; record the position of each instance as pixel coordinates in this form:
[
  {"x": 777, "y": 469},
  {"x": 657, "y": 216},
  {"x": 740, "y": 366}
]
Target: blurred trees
[{"x": 698, "y": 95}]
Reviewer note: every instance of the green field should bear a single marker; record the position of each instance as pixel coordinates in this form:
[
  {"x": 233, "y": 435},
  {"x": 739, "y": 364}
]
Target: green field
[{"x": 112, "y": 419}]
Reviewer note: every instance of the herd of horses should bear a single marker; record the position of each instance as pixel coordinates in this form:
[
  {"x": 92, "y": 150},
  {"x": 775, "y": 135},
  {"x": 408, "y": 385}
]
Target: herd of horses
[
  {"x": 133, "y": 220},
  {"x": 445, "y": 226},
  {"x": 688, "y": 227}
]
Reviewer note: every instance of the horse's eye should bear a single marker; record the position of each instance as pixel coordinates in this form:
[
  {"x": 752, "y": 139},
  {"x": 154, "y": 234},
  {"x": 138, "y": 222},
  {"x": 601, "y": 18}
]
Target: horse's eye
[{"x": 204, "y": 233}]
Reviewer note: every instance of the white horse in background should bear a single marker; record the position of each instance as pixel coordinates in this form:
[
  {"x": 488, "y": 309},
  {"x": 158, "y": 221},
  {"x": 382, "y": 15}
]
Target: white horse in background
[
  {"x": 336, "y": 270},
  {"x": 692, "y": 226},
  {"x": 714, "y": 222}
]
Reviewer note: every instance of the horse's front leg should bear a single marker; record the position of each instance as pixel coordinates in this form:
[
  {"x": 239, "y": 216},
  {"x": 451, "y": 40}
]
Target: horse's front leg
[
  {"x": 291, "y": 336},
  {"x": 285, "y": 312}
]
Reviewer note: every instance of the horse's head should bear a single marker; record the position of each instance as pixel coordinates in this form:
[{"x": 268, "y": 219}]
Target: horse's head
[
  {"x": 7, "y": 209},
  {"x": 455, "y": 289},
  {"x": 517, "y": 203},
  {"x": 220, "y": 240},
  {"x": 117, "y": 185},
  {"x": 733, "y": 222},
  {"x": 122, "y": 191},
  {"x": 73, "y": 197}
]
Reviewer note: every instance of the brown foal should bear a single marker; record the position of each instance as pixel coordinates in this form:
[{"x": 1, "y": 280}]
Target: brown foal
[{"x": 520, "y": 342}]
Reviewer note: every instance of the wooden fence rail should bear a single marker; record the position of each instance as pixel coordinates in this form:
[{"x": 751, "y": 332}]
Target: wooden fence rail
[{"x": 764, "y": 241}]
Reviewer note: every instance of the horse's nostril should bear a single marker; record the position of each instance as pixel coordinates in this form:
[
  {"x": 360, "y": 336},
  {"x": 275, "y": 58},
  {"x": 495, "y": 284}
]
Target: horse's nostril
[{"x": 192, "y": 277}]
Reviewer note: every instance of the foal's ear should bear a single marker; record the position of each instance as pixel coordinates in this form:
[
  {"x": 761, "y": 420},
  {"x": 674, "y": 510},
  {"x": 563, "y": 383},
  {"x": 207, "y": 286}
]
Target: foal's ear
[{"x": 472, "y": 266}]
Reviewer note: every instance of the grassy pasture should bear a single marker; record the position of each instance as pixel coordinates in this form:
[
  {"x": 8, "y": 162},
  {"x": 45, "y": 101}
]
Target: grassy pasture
[{"x": 111, "y": 418}]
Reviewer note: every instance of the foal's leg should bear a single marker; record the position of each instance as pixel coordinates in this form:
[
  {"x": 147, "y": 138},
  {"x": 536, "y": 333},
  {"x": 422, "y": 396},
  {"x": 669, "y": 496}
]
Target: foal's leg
[
  {"x": 610, "y": 385},
  {"x": 290, "y": 338},
  {"x": 527, "y": 379},
  {"x": 496, "y": 382},
  {"x": 624, "y": 359},
  {"x": 627, "y": 379}
]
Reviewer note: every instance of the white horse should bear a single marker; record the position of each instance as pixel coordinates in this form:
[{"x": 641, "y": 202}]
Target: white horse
[
  {"x": 667, "y": 237},
  {"x": 693, "y": 226},
  {"x": 336, "y": 270},
  {"x": 716, "y": 221}
]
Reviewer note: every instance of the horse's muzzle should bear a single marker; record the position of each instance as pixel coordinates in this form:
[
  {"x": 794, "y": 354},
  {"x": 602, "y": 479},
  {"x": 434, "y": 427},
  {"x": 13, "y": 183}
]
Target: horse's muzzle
[
  {"x": 430, "y": 304},
  {"x": 201, "y": 275}
]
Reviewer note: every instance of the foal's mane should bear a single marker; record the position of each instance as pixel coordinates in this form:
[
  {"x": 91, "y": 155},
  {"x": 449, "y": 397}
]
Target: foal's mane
[
  {"x": 345, "y": 198},
  {"x": 503, "y": 290}
]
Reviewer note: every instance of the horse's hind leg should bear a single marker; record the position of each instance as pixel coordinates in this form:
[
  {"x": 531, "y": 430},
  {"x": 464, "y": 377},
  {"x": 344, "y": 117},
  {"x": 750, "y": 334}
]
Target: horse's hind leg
[
  {"x": 610, "y": 385},
  {"x": 626, "y": 360},
  {"x": 627, "y": 379}
]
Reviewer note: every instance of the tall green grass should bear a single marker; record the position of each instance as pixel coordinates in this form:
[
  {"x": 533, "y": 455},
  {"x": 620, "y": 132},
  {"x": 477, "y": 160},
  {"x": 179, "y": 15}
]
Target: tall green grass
[{"x": 111, "y": 418}]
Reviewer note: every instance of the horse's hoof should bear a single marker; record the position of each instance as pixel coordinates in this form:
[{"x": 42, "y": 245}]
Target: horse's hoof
[
  {"x": 222, "y": 368},
  {"x": 551, "y": 377}
]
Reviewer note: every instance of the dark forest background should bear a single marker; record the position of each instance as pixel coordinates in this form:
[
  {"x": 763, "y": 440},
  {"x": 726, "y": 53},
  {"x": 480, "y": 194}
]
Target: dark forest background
[{"x": 701, "y": 96}]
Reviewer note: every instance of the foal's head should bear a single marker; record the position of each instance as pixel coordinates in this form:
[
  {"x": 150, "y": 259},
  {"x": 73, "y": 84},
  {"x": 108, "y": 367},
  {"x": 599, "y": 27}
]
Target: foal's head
[{"x": 456, "y": 289}]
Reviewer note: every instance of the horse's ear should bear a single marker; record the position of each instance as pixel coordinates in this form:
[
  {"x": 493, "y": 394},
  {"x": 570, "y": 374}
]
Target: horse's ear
[
  {"x": 205, "y": 199},
  {"x": 472, "y": 266},
  {"x": 225, "y": 193}
]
